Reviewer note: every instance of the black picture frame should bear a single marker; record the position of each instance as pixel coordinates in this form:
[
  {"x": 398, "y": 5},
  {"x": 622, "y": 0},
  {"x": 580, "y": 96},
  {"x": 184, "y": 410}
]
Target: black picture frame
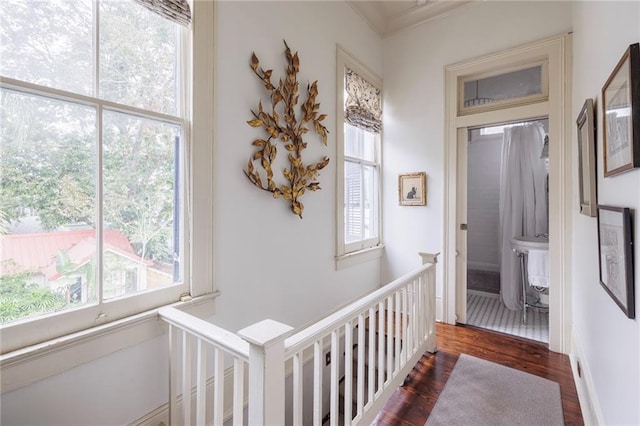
[
  {"x": 621, "y": 115},
  {"x": 587, "y": 159},
  {"x": 615, "y": 252}
]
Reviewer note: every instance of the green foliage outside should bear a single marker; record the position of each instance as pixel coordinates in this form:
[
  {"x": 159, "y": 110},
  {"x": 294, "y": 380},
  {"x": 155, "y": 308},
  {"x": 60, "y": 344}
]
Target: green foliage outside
[
  {"x": 19, "y": 298},
  {"x": 49, "y": 148}
]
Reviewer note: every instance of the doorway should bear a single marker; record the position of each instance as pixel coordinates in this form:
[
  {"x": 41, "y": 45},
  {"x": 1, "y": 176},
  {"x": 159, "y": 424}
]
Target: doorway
[
  {"x": 506, "y": 196},
  {"x": 555, "y": 53}
]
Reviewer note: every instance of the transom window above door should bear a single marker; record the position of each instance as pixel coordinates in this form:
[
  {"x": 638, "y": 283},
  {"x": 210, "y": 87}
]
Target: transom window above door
[{"x": 489, "y": 91}]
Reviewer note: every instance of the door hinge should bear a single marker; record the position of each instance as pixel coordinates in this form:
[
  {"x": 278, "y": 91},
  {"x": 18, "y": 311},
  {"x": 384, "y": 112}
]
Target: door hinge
[{"x": 463, "y": 226}]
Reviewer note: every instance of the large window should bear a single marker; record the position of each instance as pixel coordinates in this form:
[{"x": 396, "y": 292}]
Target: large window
[
  {"x": 359, "y": 134},
  {"x": 93, "y": 121}
]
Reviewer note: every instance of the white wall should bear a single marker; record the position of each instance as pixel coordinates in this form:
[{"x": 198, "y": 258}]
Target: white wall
[
  {"x": 112, "y": 390},
  {"x": 483, "y": 201},
  {"x": 268, "y": 263},
  {"x": 609, "y": 341},
  {"x": 414, "y": 62}
]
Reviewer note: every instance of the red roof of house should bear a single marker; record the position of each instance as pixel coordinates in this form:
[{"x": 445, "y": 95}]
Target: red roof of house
[{"x": 38, "y": 251}]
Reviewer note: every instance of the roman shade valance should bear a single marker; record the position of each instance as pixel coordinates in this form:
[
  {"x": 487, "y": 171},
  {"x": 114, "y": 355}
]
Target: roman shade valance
[
  {"x": 363, "y": 106},
  {"x": 174, "y": 10}
]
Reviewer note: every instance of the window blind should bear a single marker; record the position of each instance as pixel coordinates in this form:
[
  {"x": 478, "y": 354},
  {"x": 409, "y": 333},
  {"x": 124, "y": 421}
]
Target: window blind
[
  {"x": 174, "y": 10},
  {"x": 363, "y": 106}
]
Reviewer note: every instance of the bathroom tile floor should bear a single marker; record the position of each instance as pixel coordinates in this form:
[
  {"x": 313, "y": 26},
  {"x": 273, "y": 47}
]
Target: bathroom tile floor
[{"x": 486, "y": 311}]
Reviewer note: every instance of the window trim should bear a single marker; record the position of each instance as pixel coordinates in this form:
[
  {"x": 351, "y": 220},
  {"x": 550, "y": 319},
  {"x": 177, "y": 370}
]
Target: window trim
[
  {"x": 510, "y": 102},
  {"x": 197, "y": 206},
  {"x": 366, "y": 250}
]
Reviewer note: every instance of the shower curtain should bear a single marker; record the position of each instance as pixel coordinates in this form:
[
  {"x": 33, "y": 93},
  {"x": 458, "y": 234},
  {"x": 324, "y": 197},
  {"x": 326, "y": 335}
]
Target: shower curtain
[{"x": 523, "y": 209}]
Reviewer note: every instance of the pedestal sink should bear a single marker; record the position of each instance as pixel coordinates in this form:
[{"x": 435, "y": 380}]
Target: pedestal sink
[
  {"x": 525, "y": 243},
  {"x": 521, "y": 246}
]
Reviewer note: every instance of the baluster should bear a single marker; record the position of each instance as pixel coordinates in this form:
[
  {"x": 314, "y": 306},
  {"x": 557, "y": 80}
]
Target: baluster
[
  {"x": 218, "y": 388},
  {"x": 174, "y": 336},
  {"x": 360, "y": 376},
  {"x": 335, "y": 364},
  {"x": 405, "y": 347},
  {"x": 201, "y": 387},
  {"x": 421, "y": 314},
  {"x": 187, "y": 359},
  {"x": 348, "y": 373},
  {"x": 238, "y": 392},
  {"x": 381, "y": 336},
  {"x": 297, "y": 388},
  {"x": 372, "y": 360},
  {"x": 411, "y": 318},
  {"x": 390, "y": 337},
  {"x": 317, "y": 383},
  {"x": 398, "y": 332}
]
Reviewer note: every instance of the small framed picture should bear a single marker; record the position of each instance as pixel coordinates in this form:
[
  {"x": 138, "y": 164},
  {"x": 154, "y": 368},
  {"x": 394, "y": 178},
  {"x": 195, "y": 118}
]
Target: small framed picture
[
  {"x": 412, "y": 189},
  {"x": 621, "y": 114},
  {"x": 615, "y": 249},
  {"x": 587, "y": 159}
]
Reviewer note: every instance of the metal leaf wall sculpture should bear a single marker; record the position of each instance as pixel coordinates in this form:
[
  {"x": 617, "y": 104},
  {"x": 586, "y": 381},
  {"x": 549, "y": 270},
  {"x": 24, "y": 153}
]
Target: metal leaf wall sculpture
[{"x": 281, "y": 124}]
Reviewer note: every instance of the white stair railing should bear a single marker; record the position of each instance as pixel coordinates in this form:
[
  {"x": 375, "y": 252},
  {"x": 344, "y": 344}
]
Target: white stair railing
[
  {"x": 391, "y": 328},
  {"x": 370, "y": 346},
  {"x": 187, "y": 333}
]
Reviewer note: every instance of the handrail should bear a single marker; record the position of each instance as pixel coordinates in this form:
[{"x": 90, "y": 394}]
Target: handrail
[
  {"x": 389, "y": 328},
  {"x": 308, "y": 335},
  {"x": 207, "y": 331}
]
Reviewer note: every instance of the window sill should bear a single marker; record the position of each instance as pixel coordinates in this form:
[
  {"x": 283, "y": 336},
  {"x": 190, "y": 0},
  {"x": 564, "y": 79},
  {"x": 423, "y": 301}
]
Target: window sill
[
  {"x": 26, "y": 366},
  {"x": 360, "y": 256}
]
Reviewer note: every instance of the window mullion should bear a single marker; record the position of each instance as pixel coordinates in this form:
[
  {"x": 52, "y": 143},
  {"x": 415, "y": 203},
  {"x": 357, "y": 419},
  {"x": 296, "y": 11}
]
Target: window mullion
[
  {"x": 100, "y": 207},
  {"x": 99, "y": 271},
  {"x": 96, "y": 48},
  {"x": 360, "y": 161}
]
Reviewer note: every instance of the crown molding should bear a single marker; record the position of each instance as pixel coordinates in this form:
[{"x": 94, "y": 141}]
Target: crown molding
[{"x": 385, "y": 24}]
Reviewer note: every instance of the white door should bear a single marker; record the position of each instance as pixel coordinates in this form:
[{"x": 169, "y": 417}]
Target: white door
[{"x": 461, "y": 227}]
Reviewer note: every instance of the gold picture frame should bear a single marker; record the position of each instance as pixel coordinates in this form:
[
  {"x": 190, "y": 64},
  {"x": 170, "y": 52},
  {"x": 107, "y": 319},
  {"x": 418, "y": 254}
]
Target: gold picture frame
[{"x": 412, "y": 189}]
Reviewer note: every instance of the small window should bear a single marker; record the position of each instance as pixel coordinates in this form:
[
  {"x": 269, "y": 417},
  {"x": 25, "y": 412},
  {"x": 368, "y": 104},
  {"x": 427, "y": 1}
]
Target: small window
[
  {"x": 488, "y": 92},
  {"x": 359, "y": 138}
]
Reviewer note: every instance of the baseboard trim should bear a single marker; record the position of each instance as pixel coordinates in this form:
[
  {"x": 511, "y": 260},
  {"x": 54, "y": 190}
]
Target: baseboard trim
[
  {"x": 160, "y": 416},
  {"x": 587, "y": 395},
  {"x": 483, "y": 294},
  {"x": 482, "y": 266}
]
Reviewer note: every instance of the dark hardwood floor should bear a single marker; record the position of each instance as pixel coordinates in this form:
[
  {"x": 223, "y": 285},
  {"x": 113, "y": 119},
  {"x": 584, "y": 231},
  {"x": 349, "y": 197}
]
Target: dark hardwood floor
[{"x": 412, "y": 403}]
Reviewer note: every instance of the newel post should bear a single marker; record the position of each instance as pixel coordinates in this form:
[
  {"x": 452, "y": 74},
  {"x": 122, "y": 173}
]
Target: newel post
[
  {"x": 266, "y": 371},
  {"x": 430, "y": 303},
  {"x": 429, "y": 257}
]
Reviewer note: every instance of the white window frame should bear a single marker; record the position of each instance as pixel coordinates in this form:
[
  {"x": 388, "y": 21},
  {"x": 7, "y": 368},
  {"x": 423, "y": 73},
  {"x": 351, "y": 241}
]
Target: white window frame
[
  {"x": 510, "y": 102},
  {"x": 33, "y": 340},
  {"x": 348, "y": 254}
]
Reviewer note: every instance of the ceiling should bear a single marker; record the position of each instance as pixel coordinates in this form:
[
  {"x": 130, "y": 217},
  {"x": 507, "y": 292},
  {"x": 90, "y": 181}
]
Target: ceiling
[{"x": 387, "y": 17}]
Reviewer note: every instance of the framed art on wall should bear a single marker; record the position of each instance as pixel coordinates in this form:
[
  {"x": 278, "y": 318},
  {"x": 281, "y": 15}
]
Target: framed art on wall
[
  {"x": 621, "y": 114},
  {"x": 587, "y": 159},
  {"x": 615, "y": 249},
  {"x": 412, "y": 189}
]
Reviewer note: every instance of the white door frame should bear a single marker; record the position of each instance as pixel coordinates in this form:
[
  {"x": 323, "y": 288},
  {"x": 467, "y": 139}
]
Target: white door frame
[{"x": 557, "y": 51}]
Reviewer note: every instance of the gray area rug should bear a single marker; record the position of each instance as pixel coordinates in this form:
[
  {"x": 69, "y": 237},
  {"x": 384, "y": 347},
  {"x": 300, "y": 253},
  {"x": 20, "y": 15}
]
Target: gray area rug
[{"x": 480, "y": 392}]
